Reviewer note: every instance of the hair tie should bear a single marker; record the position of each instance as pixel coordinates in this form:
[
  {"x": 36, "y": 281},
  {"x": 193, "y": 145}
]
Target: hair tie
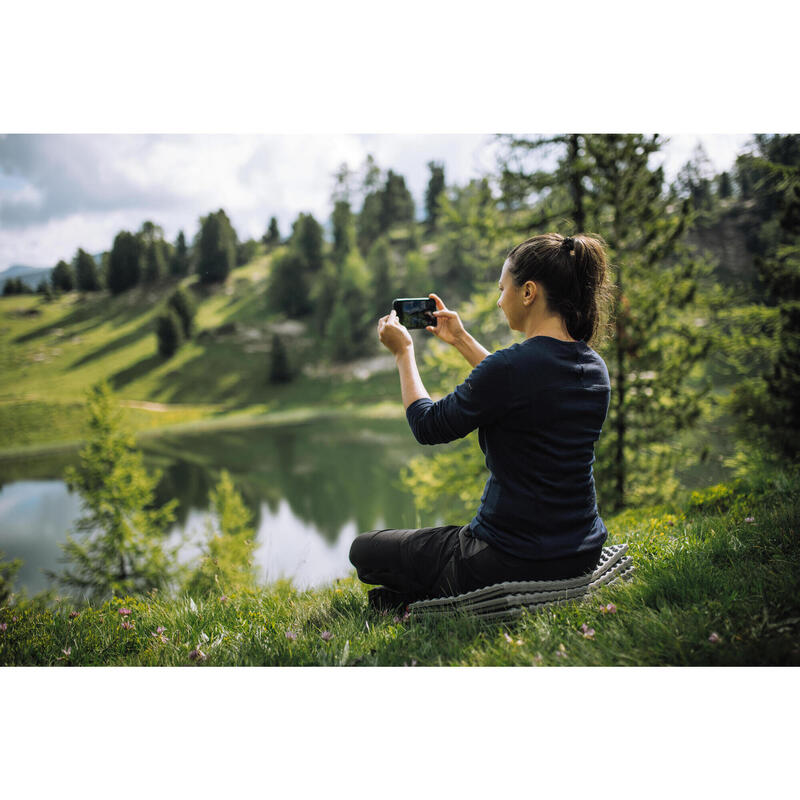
[{"x": 568, "y": 243}]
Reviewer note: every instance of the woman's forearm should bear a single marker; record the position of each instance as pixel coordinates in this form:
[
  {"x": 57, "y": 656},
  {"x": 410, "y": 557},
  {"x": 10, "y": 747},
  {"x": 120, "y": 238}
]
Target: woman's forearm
[
  {"x": 471, "y": 349},
  {"x": 410, "y": 382}
]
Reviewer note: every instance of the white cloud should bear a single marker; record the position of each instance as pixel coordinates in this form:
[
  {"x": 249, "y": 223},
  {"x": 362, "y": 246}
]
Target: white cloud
[{"x": 61, "y": 192}]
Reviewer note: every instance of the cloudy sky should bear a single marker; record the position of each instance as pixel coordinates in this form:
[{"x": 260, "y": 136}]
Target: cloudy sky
[{"x": 61, "y": 192}]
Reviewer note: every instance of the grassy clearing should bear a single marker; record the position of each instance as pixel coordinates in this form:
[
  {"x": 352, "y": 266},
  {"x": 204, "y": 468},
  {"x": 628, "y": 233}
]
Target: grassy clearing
[
  {"x": 716, "y": 584},
  {"x": 50, "y": 353}
]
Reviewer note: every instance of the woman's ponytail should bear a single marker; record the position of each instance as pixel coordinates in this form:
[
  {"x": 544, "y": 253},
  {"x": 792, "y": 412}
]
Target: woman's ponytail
[{"x": 574, "y": 273}]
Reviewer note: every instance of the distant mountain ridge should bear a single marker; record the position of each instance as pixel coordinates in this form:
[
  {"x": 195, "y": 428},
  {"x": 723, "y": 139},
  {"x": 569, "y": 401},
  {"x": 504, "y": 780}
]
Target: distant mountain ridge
[{"x": 29, "y": 275}]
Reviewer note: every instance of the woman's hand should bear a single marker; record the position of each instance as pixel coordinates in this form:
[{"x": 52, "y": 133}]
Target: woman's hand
[
  {"x": 394, "y": 336},
  {"x": 449, "y": 327}
]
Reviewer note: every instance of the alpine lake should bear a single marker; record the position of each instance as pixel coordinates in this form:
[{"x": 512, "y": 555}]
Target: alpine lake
[{"x": 311, "y": 489}]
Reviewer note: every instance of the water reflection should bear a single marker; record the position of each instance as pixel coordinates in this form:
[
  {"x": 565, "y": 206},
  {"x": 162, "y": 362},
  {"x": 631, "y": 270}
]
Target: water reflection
[{"x": 311, "y": 489}]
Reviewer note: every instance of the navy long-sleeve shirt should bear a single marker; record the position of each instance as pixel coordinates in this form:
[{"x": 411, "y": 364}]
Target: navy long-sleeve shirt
[{"x": 539, "y": 407}]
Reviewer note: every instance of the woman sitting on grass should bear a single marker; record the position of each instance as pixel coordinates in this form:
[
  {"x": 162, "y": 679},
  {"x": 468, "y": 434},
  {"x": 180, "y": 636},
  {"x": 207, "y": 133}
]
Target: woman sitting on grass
[{"x": 538, "y": 406}]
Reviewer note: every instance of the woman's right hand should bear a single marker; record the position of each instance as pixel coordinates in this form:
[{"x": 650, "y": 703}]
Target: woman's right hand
[{"x": 448, "y": 324}]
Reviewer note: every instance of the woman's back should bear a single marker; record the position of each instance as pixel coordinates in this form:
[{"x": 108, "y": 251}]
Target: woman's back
[{"x": 539, "y": 407}]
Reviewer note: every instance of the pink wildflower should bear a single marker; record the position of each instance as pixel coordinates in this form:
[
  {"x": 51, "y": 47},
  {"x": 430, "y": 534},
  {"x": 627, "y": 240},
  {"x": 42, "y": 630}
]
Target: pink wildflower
[
  {"x": 161, "y": 629},
  {"x": 67, "y": 652},
  {"x": 291, "y": 635},
  {"x": 326, "y": 636},
  {"x": 609, "y": 609},
  {"x": 562, "y": 651},
  {"x": 508, "y": 638},
  {"x": 223, "y": 599},
  {"x": 588, "y": 633},
  {"x": 749, "y": 519},
  {"x": 3, "y": 626},
  {"x": 197, "y": 655},
  {"x": 73, "y": 614},
  {"x": 127, "y": 625},
  {"x": 124, "y": 612},
  {"x": 714, "y": 638}
]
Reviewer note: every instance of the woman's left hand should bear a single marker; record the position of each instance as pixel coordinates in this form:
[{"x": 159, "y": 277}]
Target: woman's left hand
[{"x": 394, "y": 336}]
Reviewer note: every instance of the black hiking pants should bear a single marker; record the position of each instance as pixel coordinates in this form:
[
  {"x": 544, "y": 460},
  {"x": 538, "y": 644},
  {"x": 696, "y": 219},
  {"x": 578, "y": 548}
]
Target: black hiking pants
[{"x": 437, "y": 562}]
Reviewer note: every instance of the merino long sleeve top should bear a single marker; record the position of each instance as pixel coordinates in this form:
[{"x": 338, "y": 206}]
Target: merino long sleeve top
[{"x": 539, "y": 407}]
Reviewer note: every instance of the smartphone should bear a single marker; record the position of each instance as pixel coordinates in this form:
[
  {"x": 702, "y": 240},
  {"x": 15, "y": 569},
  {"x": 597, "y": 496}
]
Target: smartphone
[{"x": 415, "y": 312}]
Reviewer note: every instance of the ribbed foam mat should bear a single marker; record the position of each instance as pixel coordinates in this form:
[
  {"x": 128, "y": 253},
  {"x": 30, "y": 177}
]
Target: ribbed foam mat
[{"x": 507, "y": 600}]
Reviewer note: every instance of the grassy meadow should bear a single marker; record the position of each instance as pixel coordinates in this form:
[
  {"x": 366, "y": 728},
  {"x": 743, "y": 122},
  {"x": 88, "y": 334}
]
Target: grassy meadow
[{"x": 50, "y": 353}]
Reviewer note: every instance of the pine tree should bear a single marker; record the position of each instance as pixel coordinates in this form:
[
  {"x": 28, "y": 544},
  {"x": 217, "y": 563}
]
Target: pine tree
[
  {"x": 246, "y": 252},
  {"x": 179, "y": 265},
  {"x": 87, "y": 277},
  {"x": 62, "y": 278},
  {"x": 435, "y": 188},
  {"x": 124, "y": 263},
  {"x": 295, "y": 272},
  {"x": 227, "y": 562},
  {"x": 279, "y": 369},
  {"x": 770, "y": 403},
  {"x": 289, "y": 286},
  {"x": 155, "y": 262},
  {"x": 169, "y": 331},
  {"x": 397, "y": 205},
  {"x": 657, "y": 340},
  {"x": 272, "y": 237},
  {"x": 184, "y": 306},
  {"x": 216, "y": 249},
  {"x": 381, "y": 267},
  {"x": 471, "y": 245},
  {"x": 307, "y": 242},
  {"x": 369, "y": 223},
  {"x": 347, "y": 311},
  {"x": 122, "y": 549}
]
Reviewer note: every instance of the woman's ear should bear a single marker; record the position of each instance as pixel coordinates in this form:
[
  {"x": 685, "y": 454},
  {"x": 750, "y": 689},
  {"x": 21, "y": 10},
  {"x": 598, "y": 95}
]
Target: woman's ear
[{"x": 529, "y": 292}]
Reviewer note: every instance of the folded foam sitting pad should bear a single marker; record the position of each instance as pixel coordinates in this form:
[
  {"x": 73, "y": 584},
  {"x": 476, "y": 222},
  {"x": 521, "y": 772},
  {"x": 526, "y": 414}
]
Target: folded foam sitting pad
[{"x": 507, "y": 600}]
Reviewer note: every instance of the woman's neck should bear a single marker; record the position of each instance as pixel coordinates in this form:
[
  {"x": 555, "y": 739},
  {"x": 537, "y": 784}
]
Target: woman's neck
[{"x": 553, "y": 326}]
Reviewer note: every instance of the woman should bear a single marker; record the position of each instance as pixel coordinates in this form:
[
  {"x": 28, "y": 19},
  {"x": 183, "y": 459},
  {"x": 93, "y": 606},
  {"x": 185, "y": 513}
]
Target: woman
[{"x": 538, "y": 406}]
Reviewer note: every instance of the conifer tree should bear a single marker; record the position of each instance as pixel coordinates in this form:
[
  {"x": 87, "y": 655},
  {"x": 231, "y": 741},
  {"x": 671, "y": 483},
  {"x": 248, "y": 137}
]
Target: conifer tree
[
  {"x": 770, "y": 403},
  {"x": 397, "y": 205},
  {"x": 122, "y": 548},
  {"x": 125, "y": 262},
  {"x": 469, "y": 239},
  {"x": 86, "y": 273},
  {"x": 169, "y": 331},
  {"x": 227, "y": 561},
  {"x": 434, "y": 189},
  {"x": 381, "y": 268},
  {"x": 216, "y": 248},
  {"x": 279, "y": 369},
  {"x": 296, "y": 271},
  {"x": 63, "y": 278},
  {"x": 348, "y": 309},
  {"x": 272, "y": 237},
  {"x": 184, "y": 306},
  {"x": 179, "y": 265}
]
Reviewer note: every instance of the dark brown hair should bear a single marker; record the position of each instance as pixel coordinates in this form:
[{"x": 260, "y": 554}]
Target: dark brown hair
[{"x": 573, "y": 271}]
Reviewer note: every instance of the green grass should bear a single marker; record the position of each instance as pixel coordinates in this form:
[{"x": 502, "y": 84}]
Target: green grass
[
  {"x": 701, "y": 568},
  {"x": 51, "y": 353}
]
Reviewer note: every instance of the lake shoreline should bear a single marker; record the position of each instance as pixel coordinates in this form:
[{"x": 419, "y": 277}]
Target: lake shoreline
[{"x": 239, "y": 418}]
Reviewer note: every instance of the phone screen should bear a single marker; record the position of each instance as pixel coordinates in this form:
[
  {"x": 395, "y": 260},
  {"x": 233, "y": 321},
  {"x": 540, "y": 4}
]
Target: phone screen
[{"x": 415, "y": 312}]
